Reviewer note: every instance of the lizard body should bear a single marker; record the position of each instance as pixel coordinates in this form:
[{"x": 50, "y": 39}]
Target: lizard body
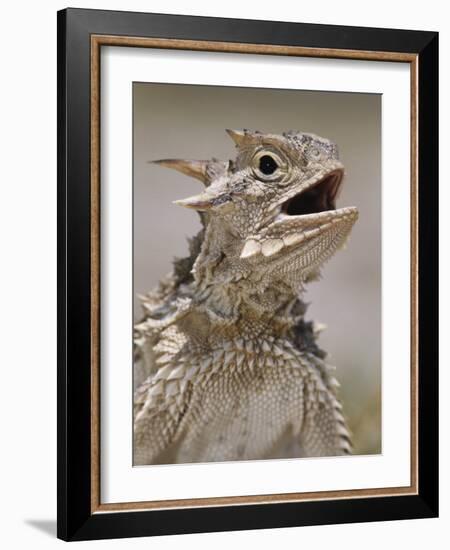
[{"x": 229, "y": 368}]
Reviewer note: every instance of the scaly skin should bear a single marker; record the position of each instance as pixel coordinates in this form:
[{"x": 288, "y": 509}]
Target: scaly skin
[{"x": 226, "y": 366}]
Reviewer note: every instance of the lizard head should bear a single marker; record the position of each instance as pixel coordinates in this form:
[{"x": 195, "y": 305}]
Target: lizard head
[{"x": 270, "y": 214}]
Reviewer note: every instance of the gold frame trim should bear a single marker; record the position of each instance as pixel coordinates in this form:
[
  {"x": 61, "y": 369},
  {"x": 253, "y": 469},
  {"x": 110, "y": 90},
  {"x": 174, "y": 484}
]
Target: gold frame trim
[{"x": 97, "y": 41}]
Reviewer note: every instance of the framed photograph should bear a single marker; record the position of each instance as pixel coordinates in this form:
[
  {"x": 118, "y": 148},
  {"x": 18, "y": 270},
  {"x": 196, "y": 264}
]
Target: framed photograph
[{"x": 247, "y": 254}]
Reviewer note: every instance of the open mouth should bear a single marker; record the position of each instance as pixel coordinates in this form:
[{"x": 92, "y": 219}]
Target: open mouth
[
  {"x": 303, "y": 217},
  {"x": 320, "y": 197}
]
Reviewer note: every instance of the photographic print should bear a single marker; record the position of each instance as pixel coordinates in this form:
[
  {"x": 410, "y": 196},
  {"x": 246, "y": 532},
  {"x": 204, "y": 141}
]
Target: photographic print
[
  {"x": 257, "y": 273},
  {"x": 247, "y": 293}
]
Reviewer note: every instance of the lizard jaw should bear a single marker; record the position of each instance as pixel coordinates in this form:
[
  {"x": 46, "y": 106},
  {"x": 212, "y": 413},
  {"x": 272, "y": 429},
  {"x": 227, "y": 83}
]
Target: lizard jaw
[{"x": 305, "y": 215}]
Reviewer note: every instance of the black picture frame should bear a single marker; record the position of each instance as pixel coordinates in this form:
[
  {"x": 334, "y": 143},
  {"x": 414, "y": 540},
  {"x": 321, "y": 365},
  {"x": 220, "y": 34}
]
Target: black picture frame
[{"x": 76, "y": 518}]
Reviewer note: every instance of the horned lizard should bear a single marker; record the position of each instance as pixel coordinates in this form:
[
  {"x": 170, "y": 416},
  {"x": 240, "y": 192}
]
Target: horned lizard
[{"x": 226, "y": 365}]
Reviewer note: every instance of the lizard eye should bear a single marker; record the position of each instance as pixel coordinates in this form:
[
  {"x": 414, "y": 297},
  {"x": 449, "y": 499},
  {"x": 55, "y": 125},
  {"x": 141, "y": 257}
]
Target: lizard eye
[{"x": 267, "y": 165}]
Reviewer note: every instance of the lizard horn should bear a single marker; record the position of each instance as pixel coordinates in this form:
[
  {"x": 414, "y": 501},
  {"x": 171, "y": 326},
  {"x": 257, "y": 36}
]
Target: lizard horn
[
  {"x": 242, "y": 137},
  {"x": 192, "y": 168},
  {"x": 201, "y": 202}
]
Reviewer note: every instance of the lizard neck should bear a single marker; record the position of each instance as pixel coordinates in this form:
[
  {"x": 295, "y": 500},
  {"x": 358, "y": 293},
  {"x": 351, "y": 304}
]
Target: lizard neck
[
  {"x": 212, "y": 322},
  {"x": 234, "y": 310},
  {"x": 222, "y": 306}
]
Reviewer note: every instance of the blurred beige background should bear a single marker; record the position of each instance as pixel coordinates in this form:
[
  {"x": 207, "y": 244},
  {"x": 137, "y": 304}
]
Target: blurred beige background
[{"x": 184, "y": 121}]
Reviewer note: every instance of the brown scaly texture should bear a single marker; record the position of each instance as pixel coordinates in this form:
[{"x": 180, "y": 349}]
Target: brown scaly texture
[{"x": 226, "y": 366}]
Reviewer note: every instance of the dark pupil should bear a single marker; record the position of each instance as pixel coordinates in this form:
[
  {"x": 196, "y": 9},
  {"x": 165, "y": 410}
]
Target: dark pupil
[{"x": 267, "y": 165}]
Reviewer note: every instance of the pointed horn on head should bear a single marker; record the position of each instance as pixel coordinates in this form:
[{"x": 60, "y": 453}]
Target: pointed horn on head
[
  {"x": 201, "y": 202},
  {"x": 238, "y": 136},
  {"x": 192, "y": 168},
  {"x": 241, "y": 137}
]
